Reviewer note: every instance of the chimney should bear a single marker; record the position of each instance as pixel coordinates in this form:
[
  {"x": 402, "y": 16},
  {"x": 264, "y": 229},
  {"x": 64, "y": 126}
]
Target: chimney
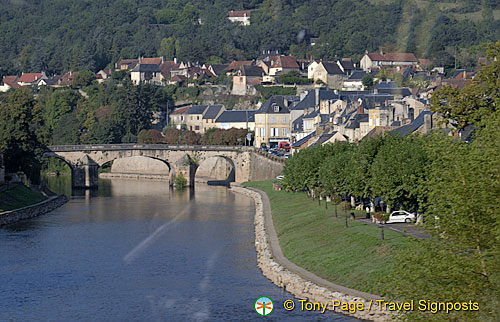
[
  {"x": 316, "y": 101},
  {"x": 360, "y": 110},
  {"x": 465, "y": 74},
  {"x": 175, "y": 60},
  {"x": 427, "y": 123}
]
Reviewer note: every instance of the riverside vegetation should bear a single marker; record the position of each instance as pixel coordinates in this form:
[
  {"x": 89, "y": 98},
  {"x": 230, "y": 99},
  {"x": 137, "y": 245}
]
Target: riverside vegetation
[{"x": 454, "y": 184}]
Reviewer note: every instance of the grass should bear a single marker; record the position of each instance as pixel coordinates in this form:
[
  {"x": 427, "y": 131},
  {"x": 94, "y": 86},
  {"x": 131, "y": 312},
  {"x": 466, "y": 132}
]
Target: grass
[
  {"x": 311, "y": 237},
  {"x": 18, "y": 197}
]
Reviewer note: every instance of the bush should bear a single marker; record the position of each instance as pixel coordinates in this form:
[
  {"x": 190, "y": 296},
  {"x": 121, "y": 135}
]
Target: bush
[{"x": 180, "y": 182}]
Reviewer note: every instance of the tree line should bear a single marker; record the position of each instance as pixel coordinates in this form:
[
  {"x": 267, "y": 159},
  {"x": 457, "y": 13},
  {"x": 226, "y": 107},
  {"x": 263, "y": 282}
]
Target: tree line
[
  {"x": 454, "y": 184},
  {"x": 57, "y": 36}
]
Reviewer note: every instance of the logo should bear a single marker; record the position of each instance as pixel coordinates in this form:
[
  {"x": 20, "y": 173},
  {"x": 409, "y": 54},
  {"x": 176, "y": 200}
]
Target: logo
[{"x": 264, "y": 306}]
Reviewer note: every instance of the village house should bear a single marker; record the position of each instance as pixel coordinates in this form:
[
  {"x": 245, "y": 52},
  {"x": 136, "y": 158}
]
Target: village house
[
  {"x": 102, "y": 75},
  {"x": 178, "y": 117},
  {"x": 28, "y": 79},
  {"x": 235, "y": 65},
  {"x": 242, "y": 17},
  {"x": 146, "y": 73},
  {"x": 8, "y": 82},
  {"x": 194, "y": 118},
  {"x": 355, "y": 81},
  {"x": 126, "y": 64},
  {"x": 245, "y": 78},
  {"x": 376, "y": 60},
  {"x": 329, "y": 74},
  {"x": 211, "y": 115},
  {"x": 240, "y": 119},
  {"x": 274, "y": 65},
  {"x": 272, "y": 122}
]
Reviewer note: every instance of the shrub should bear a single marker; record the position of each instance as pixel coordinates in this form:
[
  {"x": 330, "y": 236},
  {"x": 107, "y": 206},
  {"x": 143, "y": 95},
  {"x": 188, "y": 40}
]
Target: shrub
[{"x": 180, "y": 182}]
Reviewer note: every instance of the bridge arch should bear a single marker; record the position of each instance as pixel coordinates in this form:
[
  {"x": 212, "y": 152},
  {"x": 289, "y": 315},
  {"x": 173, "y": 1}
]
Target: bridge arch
[{"x": 217, "y": 168}]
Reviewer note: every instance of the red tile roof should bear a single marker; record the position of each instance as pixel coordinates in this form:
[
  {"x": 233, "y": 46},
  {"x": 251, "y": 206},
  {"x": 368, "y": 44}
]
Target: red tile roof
[
  {"x": 240, "y": 14},
  {"x": 401, "y": 57},
  {"x": 10, "y": 80},
  {"x": 166, "y": 67},
  {"x": 154, "y": 60},
  {"x": 180, "y": 110},
  {"x": 376, "y": 56},
  {"x": 285, "y": 62},
  {"x": 29, "y": 77},
  {"x": 237, "y": 64}
]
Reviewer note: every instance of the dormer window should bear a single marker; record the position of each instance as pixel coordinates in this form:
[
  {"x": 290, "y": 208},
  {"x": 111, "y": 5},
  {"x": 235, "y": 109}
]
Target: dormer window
[{"x": 276, "y": 108}]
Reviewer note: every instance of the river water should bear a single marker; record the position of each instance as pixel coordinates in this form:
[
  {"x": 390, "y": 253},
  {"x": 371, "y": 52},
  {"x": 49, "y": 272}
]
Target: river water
[{"x": 139, "y": 251}]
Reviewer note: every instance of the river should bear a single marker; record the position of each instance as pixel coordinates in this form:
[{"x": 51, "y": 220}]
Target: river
[{"x": 139, "y": 251}]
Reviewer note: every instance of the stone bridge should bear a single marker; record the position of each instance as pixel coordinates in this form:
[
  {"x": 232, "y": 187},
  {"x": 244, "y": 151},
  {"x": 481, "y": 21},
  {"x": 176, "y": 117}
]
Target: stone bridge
[{"x": 232, "y": 163}]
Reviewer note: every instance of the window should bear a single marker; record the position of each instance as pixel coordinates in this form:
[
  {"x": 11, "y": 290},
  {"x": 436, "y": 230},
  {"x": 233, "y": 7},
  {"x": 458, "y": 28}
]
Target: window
[
  {"x": 276, "y": 108},
  {"x": 196, "y": 128},
  {"x": 273, "y": 119},
  {"x": 197, "y": 118},
  {"x": 285, "y": 132},
  {"x": 285, "y": 119}
]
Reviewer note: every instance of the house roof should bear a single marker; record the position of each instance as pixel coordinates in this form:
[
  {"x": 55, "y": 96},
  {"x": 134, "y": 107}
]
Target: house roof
[
  {"x": 397, "y": 57},
  {"x": 304, "y": 139},
  {"x": 284, "y": 62},
  {"x": 218, "y": 69},
  {"x": 10, "y": 80},
  {"x": 310, "y": 99},
  {"x": 236, "y": 116},
  {"x": 29, "y": 77},
  {"x": 268, "y": 106},
  {"x": 396, "y": 91},
  {"x": 181, "y": 110},
  {"x": 413, "y": 126},
  {"x": 346, "y": 63},
  {"x": 357, "y": 75},
  {"x": 196, "y": 109},
  {"x": 166, "y": 67},
  {"x": 236, "y": 64},
  {"x": 49, "y": 81},
  {"x": 212, "y": 111},
  {"x": 240, "y": 14},
  {"x": 145, "y": 68},
  {"x": 311, "y": 115},
  {"x": 298, "y": 124},
  {"x": 129, "y": 62},
  {"x": 251, "y": 71},
  {"x": 401, "y": 57},
  {"x": 153, "y": 60},
  {"x": 358, "y": 118},
  {"x": 178, "y": 78},
  {"x": 332, "y": 68}
]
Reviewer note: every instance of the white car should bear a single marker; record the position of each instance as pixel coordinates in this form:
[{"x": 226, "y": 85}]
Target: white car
[
  {"x": 280, "y": 177},
  {"x": 401, "y": 216}
]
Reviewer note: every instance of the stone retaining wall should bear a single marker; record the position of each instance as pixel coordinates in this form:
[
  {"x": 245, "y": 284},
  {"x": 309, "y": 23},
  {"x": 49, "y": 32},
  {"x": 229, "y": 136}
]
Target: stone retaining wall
[
  {"x": 109, "y": 175},
  {"x": 294, "y": 283},
  {"x": 9, "y": 217}
]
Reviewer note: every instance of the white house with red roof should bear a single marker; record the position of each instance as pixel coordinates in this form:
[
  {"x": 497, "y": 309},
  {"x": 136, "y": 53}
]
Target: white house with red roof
[
  {"x": 28, "y": 79},
  {"x": 242, "y": 17},
  {"x": 8, "y": 82},
  {"x": 376, "y": 60}
]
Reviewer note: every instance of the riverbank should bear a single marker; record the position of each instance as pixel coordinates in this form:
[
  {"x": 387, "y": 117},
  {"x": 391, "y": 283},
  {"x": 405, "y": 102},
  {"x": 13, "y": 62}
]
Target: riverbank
[
  {"x": 43, "y": 207},
  {"x": 294, "y": 279},
  {"x": 18, "y": 196}
]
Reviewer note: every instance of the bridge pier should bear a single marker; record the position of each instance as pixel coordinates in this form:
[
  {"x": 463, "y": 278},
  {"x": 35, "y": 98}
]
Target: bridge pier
[
  {"x": 85, "y": 174},
  {"x": 186, "y": 167}
]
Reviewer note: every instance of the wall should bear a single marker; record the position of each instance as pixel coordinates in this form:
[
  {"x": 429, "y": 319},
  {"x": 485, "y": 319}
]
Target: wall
[
  {"x": 262, "y": 168},
  {"x": 2, "y": 169},
  {"x": 38, "y": 209},
  {"x": 294, "y": 283}
]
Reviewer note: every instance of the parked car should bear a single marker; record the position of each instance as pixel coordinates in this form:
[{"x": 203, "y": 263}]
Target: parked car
[
  {"x": 284, "y": 146},
  {"x": 280, "y": 177},
  {"x": 401, "y": 216}
]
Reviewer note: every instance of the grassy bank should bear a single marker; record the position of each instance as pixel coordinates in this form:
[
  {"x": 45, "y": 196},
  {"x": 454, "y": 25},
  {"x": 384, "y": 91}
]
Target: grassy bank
[
  {"x": 311, "y": 237},
  {"x": 18, "y": 197}
]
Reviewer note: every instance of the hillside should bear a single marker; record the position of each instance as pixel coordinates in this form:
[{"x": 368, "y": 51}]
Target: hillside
[{"x": 59, "y": 35}]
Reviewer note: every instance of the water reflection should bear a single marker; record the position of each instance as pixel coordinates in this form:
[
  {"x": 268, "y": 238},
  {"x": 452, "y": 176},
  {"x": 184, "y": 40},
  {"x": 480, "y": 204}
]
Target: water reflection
[{"x": 137, "y": 250}]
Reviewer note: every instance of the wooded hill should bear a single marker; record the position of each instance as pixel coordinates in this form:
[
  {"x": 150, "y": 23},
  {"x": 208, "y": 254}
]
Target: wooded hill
[{"x": 60, "y": 35}]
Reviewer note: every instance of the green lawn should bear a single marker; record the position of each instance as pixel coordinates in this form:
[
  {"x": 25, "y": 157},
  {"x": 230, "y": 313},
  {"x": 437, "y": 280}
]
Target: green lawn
[
  {"x": 17, "y": 197},
  {"x": 311, "y": 237}
]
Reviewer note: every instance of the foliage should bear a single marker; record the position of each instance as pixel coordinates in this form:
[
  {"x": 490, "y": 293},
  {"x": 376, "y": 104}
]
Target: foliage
[
  {"x": 476, "y": 100},
  {"x": 268, "y": 91},
  {"x": 231, "y": 136},
  {"x": 21, "y": 135},
  {"x": 294, "y": 78},
  {"x": 367, "y": 81},
  {"x": 180, "y": 181},
  {"x": 83, "y": 78},
  {"x": 17, "y": 197}
]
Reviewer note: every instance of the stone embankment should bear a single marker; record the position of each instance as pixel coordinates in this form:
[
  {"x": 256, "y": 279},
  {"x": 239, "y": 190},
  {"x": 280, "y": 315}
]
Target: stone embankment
[
  {"x": 294, "y": 279},
  {"x": 53, "y": 202},
  {"x": 110, "y": 175}
]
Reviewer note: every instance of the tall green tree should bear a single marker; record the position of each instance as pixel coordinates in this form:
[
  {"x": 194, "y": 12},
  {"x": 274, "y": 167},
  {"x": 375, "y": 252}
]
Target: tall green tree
[{"x": 21, "y": 134}]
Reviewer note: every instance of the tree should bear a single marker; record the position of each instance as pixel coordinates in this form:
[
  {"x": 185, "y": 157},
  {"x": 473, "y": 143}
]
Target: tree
[
  {"x": 367, "y": 81},
  {"x": 21, "y": 135},
  {"x": 167, "y": 48},
  {"x": 83, "y": 78}
]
